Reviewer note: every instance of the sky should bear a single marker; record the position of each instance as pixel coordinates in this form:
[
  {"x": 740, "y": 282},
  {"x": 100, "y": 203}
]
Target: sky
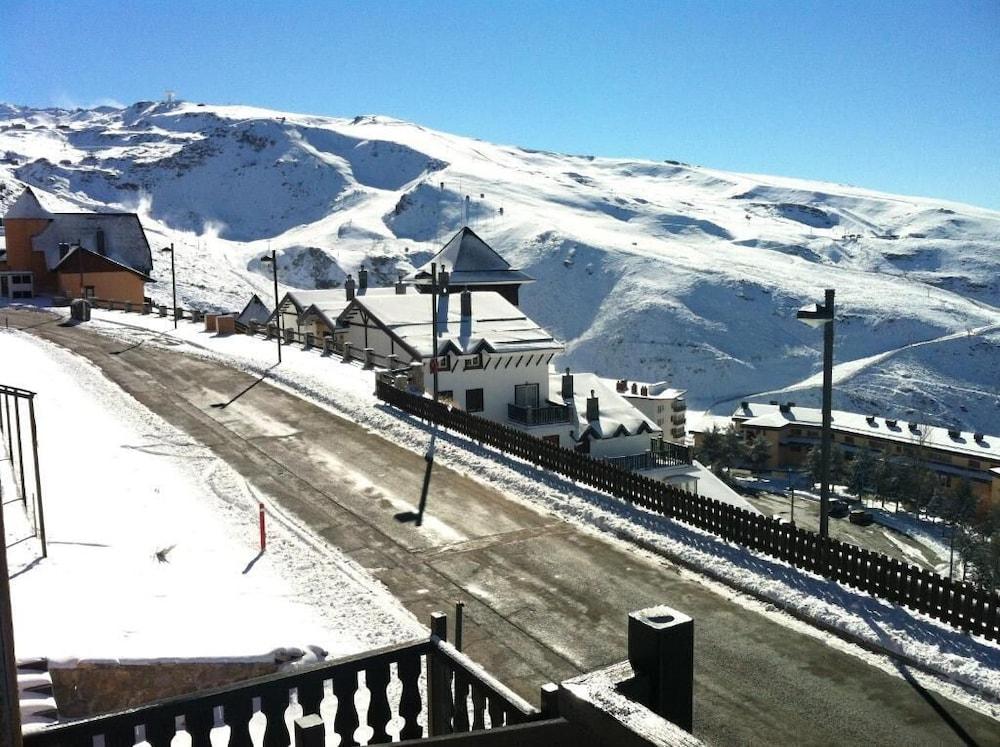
[{"x": 892, "y": 95}]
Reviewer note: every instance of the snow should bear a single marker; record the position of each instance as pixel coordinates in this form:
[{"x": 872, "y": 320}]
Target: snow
[
  {"x": 648, "y": 270},
  {"x": 787, "y": 593},
  {"x": 154, "y": 490}
]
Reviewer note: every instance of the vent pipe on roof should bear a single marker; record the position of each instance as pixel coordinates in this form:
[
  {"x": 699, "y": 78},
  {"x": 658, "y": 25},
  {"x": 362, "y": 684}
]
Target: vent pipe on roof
[
  {"x": 362, "y": 279},
  {"x": 593, "y": 407},
  {"x": 466, "y": 303},
  {"x": 400, "y": 287},
  {"x": 567, "y": 384},
  {"x": 443, "y": 281},
  {"x": 349, "y": 287}
]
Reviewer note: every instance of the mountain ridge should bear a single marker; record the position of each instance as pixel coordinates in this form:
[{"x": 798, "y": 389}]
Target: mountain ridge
[{"x": 647, "y": 269}]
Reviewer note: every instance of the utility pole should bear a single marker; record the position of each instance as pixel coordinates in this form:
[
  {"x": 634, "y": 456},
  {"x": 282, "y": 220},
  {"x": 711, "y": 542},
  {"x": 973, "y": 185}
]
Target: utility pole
[
  {"x": 429, "y": 456},
  {"x": 173, "y": 278},
  {"x": 273, "y": 261}
]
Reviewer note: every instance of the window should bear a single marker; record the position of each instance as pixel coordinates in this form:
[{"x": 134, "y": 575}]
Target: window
[
  {"x": 443, "y": 363},
  {"x": 974, "y": 464},
  {"x": 475, "y": 361},
  {"x": 526, "y": 395},
  {"x": 88, "y": 291},
  {"x": 659, "y": 408},
  {"x": 473, "y": 400}
]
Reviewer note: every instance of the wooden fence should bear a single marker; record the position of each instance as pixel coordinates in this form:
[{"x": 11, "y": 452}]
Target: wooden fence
[{"x": 958, "y": 604}]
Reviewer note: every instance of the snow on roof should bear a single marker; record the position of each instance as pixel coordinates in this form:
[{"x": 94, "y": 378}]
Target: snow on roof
[
  {"x": 124, "y": 241},
  {"x": 328, "y": 307},
  {"x": 37, "y": 203},
  {"x": 616, "y": 415},
  {"x": 471, "y": 261},
  {"x": 255, "y": 311},
  {"x": 772, "y": 416},
  {"x": 656, "y": 390},
  {"x": 495, "y": 325}
]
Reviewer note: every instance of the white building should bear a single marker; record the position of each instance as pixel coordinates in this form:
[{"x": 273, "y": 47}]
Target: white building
[{"x": 661, "y": 403}]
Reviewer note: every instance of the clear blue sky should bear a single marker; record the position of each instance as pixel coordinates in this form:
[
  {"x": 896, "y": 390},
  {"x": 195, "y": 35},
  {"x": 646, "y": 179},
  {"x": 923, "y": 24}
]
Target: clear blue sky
[{"x": 901, "y": 96}]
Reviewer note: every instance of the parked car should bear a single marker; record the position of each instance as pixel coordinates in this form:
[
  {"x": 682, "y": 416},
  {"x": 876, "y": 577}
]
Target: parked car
[
  {"x": 839, "y": 509},
  {"x": 861, "y": 517}
]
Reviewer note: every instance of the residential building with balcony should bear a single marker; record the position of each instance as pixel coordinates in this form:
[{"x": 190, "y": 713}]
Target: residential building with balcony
[
  {"x": 661, "y": 403},
  {"x": 953, "y": 454}
]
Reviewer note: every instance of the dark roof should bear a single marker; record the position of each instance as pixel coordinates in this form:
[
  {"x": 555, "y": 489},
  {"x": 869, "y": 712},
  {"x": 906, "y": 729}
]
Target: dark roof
[
  {"x": 471, "y": 261},
  {"x": 72, "y": 252}
]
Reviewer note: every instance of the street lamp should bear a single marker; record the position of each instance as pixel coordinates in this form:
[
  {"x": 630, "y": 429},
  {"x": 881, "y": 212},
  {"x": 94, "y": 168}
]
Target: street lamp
[
  {"x": 272, "y": 260},
  {"x": 816, "y": 315},
  {"x": 173, "y": 277}
]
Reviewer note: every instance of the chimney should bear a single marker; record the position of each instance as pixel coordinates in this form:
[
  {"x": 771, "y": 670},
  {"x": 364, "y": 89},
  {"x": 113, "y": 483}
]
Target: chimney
[
  {"x": 400, "y": 287},
  {"x": 635, "y": 388},
  {"x": 349, "y": 288},
  {"x": 644, "y": 391},
  {"x": 593, "y": 407},
  {"x": 466, "y": 304},
  {"x": 443, "y": 281},
  {"x": 567, "y": 384},
  {"x": 362, "y": 279}
]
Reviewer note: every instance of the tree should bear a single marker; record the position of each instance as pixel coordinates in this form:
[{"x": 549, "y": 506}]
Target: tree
[
  {"x": 734, "y": 450},
  {"x": 759, "y": 454},
  {"x": 710, "y": 451},
  {"x": 862, "y": 472}
]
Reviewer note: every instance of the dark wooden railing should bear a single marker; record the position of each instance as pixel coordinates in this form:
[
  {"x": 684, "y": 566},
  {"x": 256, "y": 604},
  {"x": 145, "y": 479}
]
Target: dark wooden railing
[
  {"x": 646, "y": 460},
  {"x": 958, "y": 604},
  {"x": 546, "y": 415},
  {"x": 458, "y": 697}
]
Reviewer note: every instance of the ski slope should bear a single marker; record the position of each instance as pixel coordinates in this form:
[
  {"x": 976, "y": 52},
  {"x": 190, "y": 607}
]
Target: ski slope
[{"x": 648, "y": 270}]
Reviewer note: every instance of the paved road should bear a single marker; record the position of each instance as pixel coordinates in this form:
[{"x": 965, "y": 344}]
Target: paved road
[{"x": 544, "y": 600}]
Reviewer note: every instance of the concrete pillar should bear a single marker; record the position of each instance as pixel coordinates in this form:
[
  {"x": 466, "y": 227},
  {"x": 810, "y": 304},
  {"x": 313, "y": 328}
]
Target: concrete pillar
[
  {"x": 272, "y": 330},
  {"x": 147, "y": 308},
  {"x": 369, "y": 358},
  {"x": 162, "y": 310},
  {"x": 348, "y": 347},
  {"x": 289, "y": 336},
  {"x": 128, "y": 307},
  {"x": 661, "y": 652},
  {"x": 328, "y": 346},
  {"x": 393, "y": 363},
  {"x": 197, "y": 316},
  {"x": 310, "y": 341},
  {"x": 252, "y": 327},
  {"x": 178, "y": 313}
]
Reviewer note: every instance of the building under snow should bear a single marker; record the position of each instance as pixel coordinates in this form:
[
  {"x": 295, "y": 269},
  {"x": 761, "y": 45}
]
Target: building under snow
[
  {"x": 73, "y": 254},
  {"x": 953, "y": 454}
]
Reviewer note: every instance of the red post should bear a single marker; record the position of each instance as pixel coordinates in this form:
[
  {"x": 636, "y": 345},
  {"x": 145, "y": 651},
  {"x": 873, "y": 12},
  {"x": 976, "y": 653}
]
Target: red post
[{"x": 263, "y": 536}]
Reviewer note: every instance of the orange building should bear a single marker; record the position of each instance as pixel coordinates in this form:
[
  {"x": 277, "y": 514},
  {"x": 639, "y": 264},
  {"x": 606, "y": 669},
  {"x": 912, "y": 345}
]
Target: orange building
[{"x": 72, "y": 254}]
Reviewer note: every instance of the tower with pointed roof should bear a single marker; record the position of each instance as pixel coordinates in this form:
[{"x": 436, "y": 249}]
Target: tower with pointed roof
[{"x": 472, "y": 265}]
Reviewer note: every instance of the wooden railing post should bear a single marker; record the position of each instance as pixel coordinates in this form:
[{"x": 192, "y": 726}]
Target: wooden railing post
[
  {"x": 439, "y": 698},
  {"x": 310, "y": 731}
]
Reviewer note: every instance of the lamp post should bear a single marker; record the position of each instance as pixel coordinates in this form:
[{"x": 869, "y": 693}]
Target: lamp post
[
  {"x": 817, "y": 315},
  {"x": 272, "y": 260},
  {"x": 173, "y": 277}
]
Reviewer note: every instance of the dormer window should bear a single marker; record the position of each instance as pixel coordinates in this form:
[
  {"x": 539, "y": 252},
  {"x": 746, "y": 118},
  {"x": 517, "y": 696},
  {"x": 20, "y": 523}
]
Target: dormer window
[{"x": 475, "y": 361}]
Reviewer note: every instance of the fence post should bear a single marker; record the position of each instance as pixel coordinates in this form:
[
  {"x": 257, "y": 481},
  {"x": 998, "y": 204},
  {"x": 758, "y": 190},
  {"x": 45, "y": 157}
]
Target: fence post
[
  {"x": 439, "y": 699},
  {"x": 347, "y": 351},
  {"x": 310, "y": 731}
]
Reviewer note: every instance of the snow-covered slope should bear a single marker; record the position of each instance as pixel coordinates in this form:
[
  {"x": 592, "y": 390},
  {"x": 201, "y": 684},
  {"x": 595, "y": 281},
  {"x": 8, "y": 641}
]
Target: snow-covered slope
[{"x": 648, "y": 270}]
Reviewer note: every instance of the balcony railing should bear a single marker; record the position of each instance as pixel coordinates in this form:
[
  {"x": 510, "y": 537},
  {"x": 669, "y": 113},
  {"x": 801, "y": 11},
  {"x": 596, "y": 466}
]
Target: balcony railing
[
  {"x": 547, "y": 415},
  {"x": 664, "y": 454},
  {"x": 679, "y": 405},
  {"x": 458, "y": 696},
  {"x": 678, "y": 419}
]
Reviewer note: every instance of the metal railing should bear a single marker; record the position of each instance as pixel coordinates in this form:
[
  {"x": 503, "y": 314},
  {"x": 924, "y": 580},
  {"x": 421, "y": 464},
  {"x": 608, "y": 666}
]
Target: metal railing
[{"x": 547, "y": 415}]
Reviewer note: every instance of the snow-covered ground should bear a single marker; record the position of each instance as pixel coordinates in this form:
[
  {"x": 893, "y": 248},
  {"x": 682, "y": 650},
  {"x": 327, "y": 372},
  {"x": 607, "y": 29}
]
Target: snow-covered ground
[
  {"x": 121, "y": 485},
  {"x": 648, "y": 270},
  {"x": 347, "y": 390}
]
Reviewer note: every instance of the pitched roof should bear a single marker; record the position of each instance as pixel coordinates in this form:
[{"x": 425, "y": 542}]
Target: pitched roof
[
  {"x": 328, "y": 308},
  {"x": 496, "y": 325},
  {"x": 772, "y": 416},
  {"x": 616, "y": 415},
  {"x": 65, "y": 265},
  {"x": 255, "y": 311},
  {"x": 471, "y": 261}
]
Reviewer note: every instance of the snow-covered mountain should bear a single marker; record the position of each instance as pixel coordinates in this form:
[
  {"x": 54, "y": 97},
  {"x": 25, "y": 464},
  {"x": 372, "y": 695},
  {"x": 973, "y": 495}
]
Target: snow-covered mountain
[{"x": 646, "y": 269}]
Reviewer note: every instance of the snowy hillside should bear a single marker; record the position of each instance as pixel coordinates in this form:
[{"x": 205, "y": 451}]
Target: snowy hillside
[{"x": 646, "y": 269}]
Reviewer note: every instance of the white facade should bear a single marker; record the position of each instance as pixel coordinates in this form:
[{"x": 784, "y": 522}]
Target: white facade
[
  {"x": 665, "y": 406},
  {"x": 16, "y": 285}
]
